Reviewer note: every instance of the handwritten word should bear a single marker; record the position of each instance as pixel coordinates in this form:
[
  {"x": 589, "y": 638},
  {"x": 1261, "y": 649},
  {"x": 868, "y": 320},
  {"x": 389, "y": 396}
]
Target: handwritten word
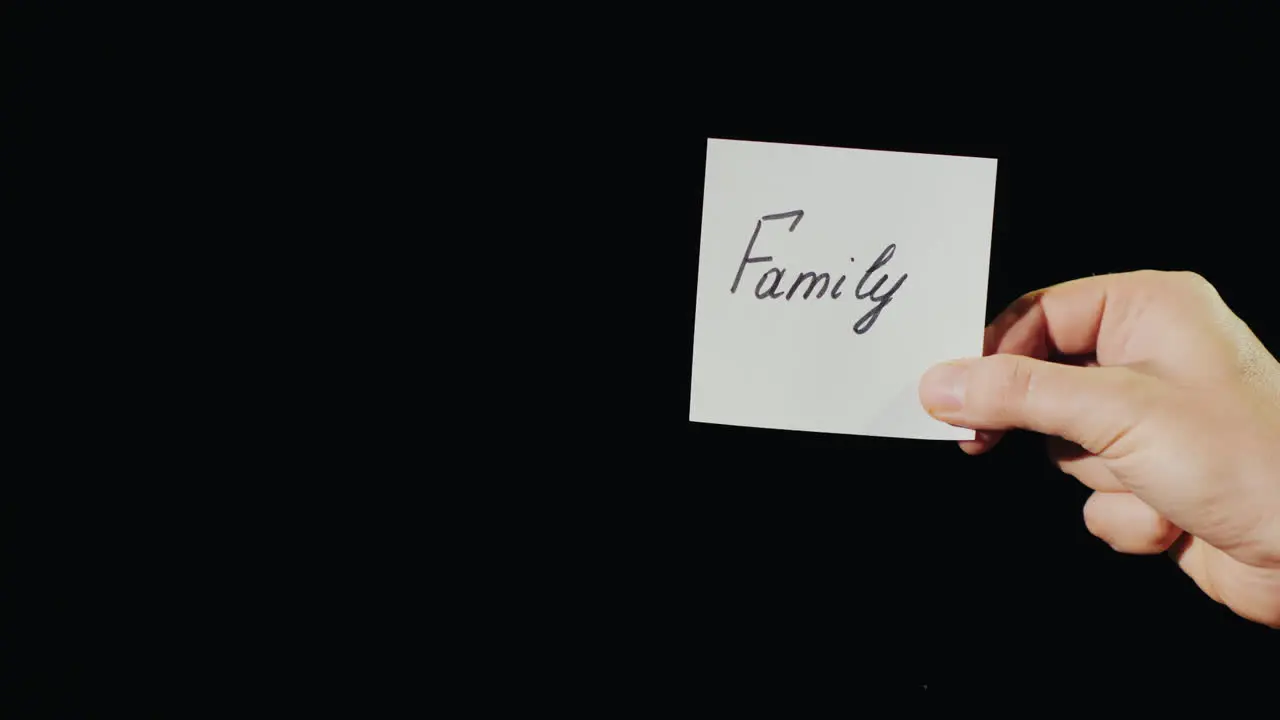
[{"x": 820, "y": 281}]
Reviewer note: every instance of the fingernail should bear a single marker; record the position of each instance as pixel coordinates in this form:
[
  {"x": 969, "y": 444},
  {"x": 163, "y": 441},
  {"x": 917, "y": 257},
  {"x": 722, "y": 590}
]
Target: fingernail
[{"x": 942, "y": 387}]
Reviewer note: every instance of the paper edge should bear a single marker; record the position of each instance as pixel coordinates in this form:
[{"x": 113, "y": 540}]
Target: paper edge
[{"x": 961, "y": 434}]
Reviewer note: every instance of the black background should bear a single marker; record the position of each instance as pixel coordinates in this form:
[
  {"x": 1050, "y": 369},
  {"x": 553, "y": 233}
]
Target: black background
[
  {"x": 869, "y": 560},
  {"x": 660, "y": 553}
]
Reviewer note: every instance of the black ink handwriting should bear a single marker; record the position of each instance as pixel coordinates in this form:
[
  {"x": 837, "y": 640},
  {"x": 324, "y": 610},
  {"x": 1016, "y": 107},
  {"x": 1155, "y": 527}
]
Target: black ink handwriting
[
  {"x": 866, "y": 321},
  {"x": 746, "y": 257},
  {"x": 817, "y": 281}
]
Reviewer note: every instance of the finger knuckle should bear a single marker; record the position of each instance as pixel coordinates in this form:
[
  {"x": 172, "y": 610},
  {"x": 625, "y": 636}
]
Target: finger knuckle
[
  {"x": 1268, "y": 543},
  {"x": 1095, "y": 519},
  {"x": 1003, "y": 383},
  {"x": 1192, "y": 279},
  {"x": 1271, "y": 613},
  {"x": 1127, "y": 397},
  {"x": 1164, "y": 282},
  {"x": 1264, "y": 609},
  {"x": 1190, "y": 282},
  {"x": 1149, "y": 276},
  {"x": 1152, "y": 535}
]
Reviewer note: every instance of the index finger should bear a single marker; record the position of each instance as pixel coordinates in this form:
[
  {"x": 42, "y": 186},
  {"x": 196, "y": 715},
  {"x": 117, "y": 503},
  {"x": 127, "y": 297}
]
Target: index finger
[{"x": 1063, "y": 319}]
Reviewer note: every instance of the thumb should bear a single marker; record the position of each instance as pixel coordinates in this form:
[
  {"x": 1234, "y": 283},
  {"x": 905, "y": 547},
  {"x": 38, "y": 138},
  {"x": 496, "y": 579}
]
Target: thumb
[{"x": 1092, "y": 407}]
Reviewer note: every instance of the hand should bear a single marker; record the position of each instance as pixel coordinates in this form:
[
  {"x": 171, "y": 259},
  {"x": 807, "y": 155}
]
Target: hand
[{"x": 1156, "y": 396}]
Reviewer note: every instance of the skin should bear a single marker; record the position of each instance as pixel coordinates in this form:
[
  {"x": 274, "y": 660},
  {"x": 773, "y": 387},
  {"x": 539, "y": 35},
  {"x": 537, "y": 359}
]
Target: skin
[{"x": 1155, "y": 395}]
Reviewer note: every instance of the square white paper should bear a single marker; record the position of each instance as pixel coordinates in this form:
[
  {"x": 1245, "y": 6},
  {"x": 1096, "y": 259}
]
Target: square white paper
[{"x": 798, "y": 364}]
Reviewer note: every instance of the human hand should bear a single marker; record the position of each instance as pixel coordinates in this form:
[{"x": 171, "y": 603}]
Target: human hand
[{"x": 1156, "y": 396}]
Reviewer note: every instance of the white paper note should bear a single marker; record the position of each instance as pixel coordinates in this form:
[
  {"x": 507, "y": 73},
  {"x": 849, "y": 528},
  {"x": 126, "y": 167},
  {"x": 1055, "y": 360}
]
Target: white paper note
[{"x": 831, "y": 279}]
